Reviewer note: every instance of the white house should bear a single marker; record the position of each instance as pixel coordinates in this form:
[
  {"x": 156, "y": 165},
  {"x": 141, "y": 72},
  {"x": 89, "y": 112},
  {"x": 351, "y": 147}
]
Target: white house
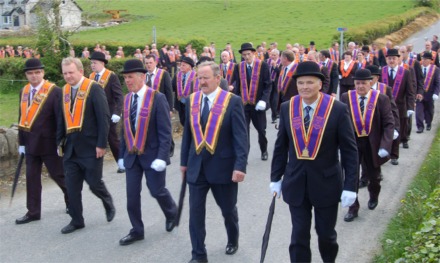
[{"x": 18, "y": 13}]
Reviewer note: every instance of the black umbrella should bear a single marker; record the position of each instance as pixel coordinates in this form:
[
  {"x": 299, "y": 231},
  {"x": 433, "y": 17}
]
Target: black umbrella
[
  {"x": 181, "y": 199},
  {"x": 17, "y": 174},
  {"x": 268, "y": 228}
]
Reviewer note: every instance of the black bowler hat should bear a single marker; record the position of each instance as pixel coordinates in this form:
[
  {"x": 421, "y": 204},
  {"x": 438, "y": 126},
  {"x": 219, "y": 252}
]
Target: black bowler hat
[
  {"x": 32, "y": 63},
  {"x": 98, "y": 56},
  {"x": 363, "y": 74},
  {"x": 427, "y": 55},
  {"x": 203, "y": 59},
  {"x": 365, "y": 49},
  {"x": 188, "y": 61},
  {"x": 133, "y": 65},
  {"x": 246, "y": 46},
  {"x": 312, "y": 43},
  {"x": 392, "y": 52},
  {"x": 308, "y": 68},
  {"x": 374, "y": 70}
]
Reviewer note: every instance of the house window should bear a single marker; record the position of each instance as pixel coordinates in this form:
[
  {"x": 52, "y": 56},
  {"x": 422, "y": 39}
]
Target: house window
[{"x": 7, "y": 20}]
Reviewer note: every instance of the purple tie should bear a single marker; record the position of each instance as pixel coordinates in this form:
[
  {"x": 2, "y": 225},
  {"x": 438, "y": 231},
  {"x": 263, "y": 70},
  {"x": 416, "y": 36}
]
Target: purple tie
[{"x": 33, "y": 91}]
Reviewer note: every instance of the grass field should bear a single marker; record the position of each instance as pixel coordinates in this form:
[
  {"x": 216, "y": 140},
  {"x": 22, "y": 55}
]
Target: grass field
[
  {"x": 236, "y": 21},
  {"x": 9, "y": 109}
]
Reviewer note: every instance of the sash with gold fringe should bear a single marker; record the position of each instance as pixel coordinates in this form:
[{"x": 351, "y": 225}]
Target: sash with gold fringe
[
  {"x": 382, "y": 87},
  {"x": 249, "y": 94},
  {"x": 397, "y": 81},
  {"x": 158, "y": 79},
  {"x": 30, "y": 111},
  {"x": 209, "y": 137},
  {"x": 229, "y": 73},
  {"x": 104, "y": 78},
  {"x": 74, "y": 120},
  {"x": 283, "y": 83},
  {"x": 273, "y": 73},
  {"x": 345, "y": 73},
  {"x": 428, "y": 78},
  {"x": 136, "y": 143},
  {"x": 362, "y": 123},
  {"x": 307, "y": 144},
  {"x": 184, "y": 91}
]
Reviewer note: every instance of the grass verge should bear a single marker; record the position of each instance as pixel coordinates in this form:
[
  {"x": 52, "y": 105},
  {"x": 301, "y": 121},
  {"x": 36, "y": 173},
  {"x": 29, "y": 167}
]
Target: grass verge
[
  {"x": 411, "y": 215},
  {"x": 8, "y": 109}
]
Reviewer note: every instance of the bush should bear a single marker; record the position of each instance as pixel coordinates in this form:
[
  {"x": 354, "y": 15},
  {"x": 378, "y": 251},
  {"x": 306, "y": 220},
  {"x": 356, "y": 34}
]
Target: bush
[
  {"x": 11, "y": 74},
  {"x": 435, "y": 4}
]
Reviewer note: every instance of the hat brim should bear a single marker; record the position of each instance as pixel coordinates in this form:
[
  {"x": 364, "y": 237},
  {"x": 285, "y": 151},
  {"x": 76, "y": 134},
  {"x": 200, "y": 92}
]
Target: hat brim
[
  {"x": 102, "y": 60},
  {"x": 363, "y": 78},
  {"x": 314, "y": 74},
  {"x": 33, "y": 68},
  {"x": 191, "y": 64},
  {"x": 140, "y": 70},
  {"x": 393, "y": 55},
  {"x": 244, "y": 49}
]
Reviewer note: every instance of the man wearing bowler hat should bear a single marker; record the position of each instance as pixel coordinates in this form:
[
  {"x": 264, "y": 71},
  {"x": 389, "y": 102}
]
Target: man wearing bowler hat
[
  {"x": 145, "y": 148},
  {"x": 306, "y": 168},
  {"x": 108, "y": 80},
  {"x": 183, "y": 85},
  {"x": 404, "y": 93},
  {"x": 39, "y": 116},
  {"x": 253, "y": 85},
  {"x": 373, "y": 122}
]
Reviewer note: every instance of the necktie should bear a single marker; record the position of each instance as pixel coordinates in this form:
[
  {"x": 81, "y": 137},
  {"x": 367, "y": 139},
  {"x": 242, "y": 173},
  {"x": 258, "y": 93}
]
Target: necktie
[
  {"x": 249, "y": 73},
  {"x": 285, "y": 73},
  {"x": 73, "y": 91},
  {"x": 362, "y": 104},
  {"x": 96, "y": 77},
  {"x": 225, "y": 70},
  {"x": 34, "y": 90},
  {"x": 424, "y": 73},
  {"x": 133, "y": 113},
  {"x": 205, "y": 112},
  {"x": 149, "y": 77},
  {"x": 392, "y": 73},
  {"x": 307, "y": 117},
  {"x": 183, "y": 80}
]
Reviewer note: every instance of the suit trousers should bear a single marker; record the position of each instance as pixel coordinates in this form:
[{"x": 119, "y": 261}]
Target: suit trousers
[
  {"x": 181, "y": 111},
  {"x": 424, "y": 112},
  {"x": 274, "y": 101},
  {"x": 77, "y": 170},
  {"x": 258, "y": 119},
  {"x": 156, "y": 186},
  {"x": 325, "y": 222},
  {"x": 113, "y": 140},
  {"x": 225, "y": 196},
  {"x": 34, "y": 163},
  {"x": 402, "y": 138}
]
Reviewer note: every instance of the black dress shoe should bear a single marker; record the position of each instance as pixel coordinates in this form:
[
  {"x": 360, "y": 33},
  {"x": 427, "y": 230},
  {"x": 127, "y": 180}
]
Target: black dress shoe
[
  {"x": 70, "y": 228},
  {"x": 264, "y": 156},
  {"x": 428, "y": 127},
  {"x": 363, "y": 184},
  {"x": 129, "y": 239},
  {"x": 198, "y": 261},
  {"x": 405, "y": 145},
  {"x": 372, "y": 204},
  {"x": 120, "y": 171},
  {"x": 231, "y": 249},
  {"x": 394, "y": 162},
  {"x": 170, "y": 224},
  {"x": 274, "y": 121},
  {"x": 420, "y": 130},
  {"x": 350, "y": 216},
  {"x": 110, "y": 214},
  {"x": 25, "y": 219},
  {"x": 171, "y": 152}
]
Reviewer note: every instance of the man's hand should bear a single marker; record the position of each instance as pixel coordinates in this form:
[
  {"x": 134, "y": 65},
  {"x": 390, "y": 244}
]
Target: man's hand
[
  {"x": 348, "y": 198},
  {"x": 21, "y": 150},
  {"x": 158, "y": 165},
  {"x": 237, "y": 176},
  {"x": 261, "y": 105},
  {"x": 115, "y": 118},
  {"x": 231, "y": 88},
  {"x": 275, "y": 187},
  {"x": 419, "y": 97},
  {"x": 100, "y": 152},
  {"x": 121, "y": 164},
  {"x": 334, "y": 95}
]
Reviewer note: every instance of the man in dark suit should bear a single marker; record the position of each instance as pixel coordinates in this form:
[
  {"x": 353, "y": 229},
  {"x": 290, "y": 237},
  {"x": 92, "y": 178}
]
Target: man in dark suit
[
  {"x": 274, "y": 63},
  {"x": 108, "y": 80},
  {"x": 252, "y": 78},
  {"x": 347, "y": 69},
  {"x": 183, "y": 85},
  {"x": 383, "y": 53},
  {"x": 286, "y": 84},
  {"x": 213, "y": 158},
  {"x": 369, "y": 57},
  {"x": 311, "y": 168},
  {"x": 373, "y": 122},
  {"x": 83, "y": 135},
  {"x": 331, "y": 72},
  {"x": 400, "y": 80},
  {"x": 428, "y": 49},
  {"x": 431, "y": 88},
  {"x": 145, "y": 147},
  {"x": 39, "y": 115}
]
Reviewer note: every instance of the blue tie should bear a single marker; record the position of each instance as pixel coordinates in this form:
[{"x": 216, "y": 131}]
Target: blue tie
[
  {"x": 205, "y": 113},
  {"x": 249, "y": 73},
  {"x": 133, "y": 113},
  {"x": 96, "y": 77},
  {"x": 307, "y": 117},
  {"x": 362, "y": 104}
]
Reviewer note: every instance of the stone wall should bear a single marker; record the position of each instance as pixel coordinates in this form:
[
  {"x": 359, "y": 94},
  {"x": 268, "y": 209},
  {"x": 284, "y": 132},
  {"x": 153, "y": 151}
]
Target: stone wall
[{"x": 8, "y": 142}]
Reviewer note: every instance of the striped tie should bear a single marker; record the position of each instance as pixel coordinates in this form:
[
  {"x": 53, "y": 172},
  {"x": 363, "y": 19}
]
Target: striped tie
[
  {"x": 307, "y": 117},
  {"x": 133, "y": 113},
  {"x": 362, "y": 104}
]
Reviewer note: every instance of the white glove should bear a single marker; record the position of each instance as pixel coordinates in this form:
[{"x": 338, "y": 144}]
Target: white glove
[
  {"x": 275, "y": 187},
  {"x": 409, "y": 113},
  {"x": 434, "y": 97},
  {"x": 121, "y": 164},
  {"x": 382, "y": 153},
  {"x": 395, "y": 135},
  {"x": 159, "y": 165},
  {"x": 261, "y": 105},
  {"x": 348, "y": 198},
  {"x": 115, "y": 118},
  {"x": 21, "y": 150}
]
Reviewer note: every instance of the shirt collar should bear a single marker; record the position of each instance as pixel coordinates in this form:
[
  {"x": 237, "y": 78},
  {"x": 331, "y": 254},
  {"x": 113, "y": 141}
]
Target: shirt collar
[
  {"x": 79, "y": 83},
  {"x": 101, "y": 72},
  {"x": 211, "y": 96},
  {"x": 142, "y": 91},
  {"x": 313, "y": 105},
  {"x": 38, "y": 87},
  {"x": 154, "y": 71}
]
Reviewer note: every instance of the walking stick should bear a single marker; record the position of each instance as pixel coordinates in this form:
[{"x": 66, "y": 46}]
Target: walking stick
[
  {"x": 268, "y": 228},
  {"x": 181, "y": 199},
  {"x": 17, "y": 174}
]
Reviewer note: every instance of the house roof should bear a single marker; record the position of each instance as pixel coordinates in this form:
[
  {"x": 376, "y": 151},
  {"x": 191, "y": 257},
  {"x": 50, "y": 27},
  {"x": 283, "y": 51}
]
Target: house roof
[
  {"x": 45, "y": 5},
  {"x": 17, "y": 9}
]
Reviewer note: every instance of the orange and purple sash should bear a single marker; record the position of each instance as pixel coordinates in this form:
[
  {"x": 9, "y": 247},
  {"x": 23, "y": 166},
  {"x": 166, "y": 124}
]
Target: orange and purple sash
[
  {"x": 229, "y": 73},
  {"x": 428, "y": 78},
  {"x": 136, "y": 143},
  {"x": 184, "y": 91},
  {"x": 397, "y": 81},
  {"x": 284, "y": 82},
  {"x": 249, "y": 95},
  {"x": 273, "y": 73},
  {"x": 307, "y": 144},
  {"x": 382, "y": 87},
  {"x": 158, "y": 79},
  {"x": 329, "y": 66},
  {"x": 209, "y": 137},
  {"x": 362, "y": 123}
]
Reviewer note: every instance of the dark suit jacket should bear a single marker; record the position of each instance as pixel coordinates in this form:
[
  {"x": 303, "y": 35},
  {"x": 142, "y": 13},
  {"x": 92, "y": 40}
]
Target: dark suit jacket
[
  {"x": 333, "y": 75},
  {"x": 41, "y": 139},
  {"x": 95, "y": 127},
  {"x": 434, "y": 87},
  {"x": 264, "y": 83},
  {"x": 394, "y": 108},
  {"x": 435, "y": 62},
  {"x": 321, "y": 178},
  {"x": 113, "y": 91},
  {"x": 158, "y": 143},
  {"x": 166, "y": 88},
  {"x": 382, "y": 128},
  {"x": 382, "y": 58},
  {"x": 231, "y": 152}
]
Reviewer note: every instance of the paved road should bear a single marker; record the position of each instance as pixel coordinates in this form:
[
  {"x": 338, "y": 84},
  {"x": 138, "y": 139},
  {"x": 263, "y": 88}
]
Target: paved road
[{"x": 42, "y": 241}]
